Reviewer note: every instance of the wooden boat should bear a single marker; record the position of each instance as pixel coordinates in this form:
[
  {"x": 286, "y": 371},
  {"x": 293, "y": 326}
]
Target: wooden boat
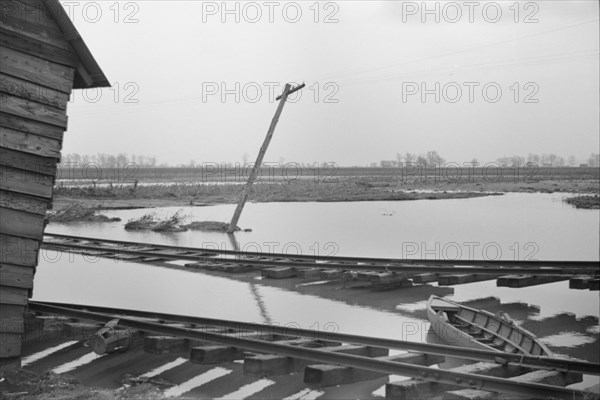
[{"x": 463, "y": 326}]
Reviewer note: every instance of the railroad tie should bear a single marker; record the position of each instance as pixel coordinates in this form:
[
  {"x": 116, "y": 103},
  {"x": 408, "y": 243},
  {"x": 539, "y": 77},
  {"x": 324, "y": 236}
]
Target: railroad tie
[
  {"x": 541, "y": 376},
  {"x": 417, "y": 389},
  {"x": 519, "y": 281},
  {"x": 263, "y": 365},
  {"x": 323, "y": 375}
]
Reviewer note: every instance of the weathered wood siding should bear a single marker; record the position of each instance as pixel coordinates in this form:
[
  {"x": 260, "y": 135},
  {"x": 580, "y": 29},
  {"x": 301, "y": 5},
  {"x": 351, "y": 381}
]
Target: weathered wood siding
[{"x": 36, "y": 79}]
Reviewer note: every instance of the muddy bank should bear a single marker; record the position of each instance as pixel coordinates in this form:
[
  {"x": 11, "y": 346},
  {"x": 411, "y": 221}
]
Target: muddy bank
[
  {"x": 27, "y": 385},
  {"x": 341, "y": 189},
  {"x": 205, "y": 195}
]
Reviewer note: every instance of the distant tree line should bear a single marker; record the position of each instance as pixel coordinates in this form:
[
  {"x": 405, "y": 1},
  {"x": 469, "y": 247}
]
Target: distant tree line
[
  {"x": 549, "y": 160},
  {"x": 429, "y": 159},
  {"x": 107, "y": 160},
  {"x": 433, "y": 158}
]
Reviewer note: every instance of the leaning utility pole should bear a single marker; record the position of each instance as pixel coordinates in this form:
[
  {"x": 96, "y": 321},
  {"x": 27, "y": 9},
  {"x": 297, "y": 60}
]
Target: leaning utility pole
[{"x": 261, "y": 154}]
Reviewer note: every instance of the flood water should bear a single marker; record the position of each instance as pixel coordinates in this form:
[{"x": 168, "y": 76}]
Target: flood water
[{"x": 511, "y": 226}]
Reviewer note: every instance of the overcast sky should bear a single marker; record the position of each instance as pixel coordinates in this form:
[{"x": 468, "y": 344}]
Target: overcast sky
[{"x": 365, "y": 65}]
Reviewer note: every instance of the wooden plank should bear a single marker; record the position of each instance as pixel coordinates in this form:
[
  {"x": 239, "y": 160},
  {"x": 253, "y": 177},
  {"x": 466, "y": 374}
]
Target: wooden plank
[
  {"x": 18, "y": 251},
  {"x": 30, "y": 143},
  {"x": 16, "y": 276},
  {"x": 33, "y": 92},
  {"x": 18, "y": 17},
  {"x": 37, "y": 70},
  {"x": 11, "y": 344},
  {"x": 30, "y": 126},
  {"x": 28, "y": 162},
  {"x": 34, "y": 11},
  {"x": 21, "y": 223},
  {"x": 32, "y": 110},
  {"x": 25, "y": 44},
  {"x": 22, "y": 202},
  {"x": 26, "y": 182},
  {"x": 12, "y": 318},
  {"x": 13, "y": 295}
]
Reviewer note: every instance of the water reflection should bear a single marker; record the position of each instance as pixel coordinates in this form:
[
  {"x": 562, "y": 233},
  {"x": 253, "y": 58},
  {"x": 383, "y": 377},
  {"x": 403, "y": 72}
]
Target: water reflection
[{"x": 113, "y": 283}]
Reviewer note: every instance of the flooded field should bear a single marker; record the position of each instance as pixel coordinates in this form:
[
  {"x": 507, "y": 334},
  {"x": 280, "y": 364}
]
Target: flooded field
[{"x": 513, "y": 226}]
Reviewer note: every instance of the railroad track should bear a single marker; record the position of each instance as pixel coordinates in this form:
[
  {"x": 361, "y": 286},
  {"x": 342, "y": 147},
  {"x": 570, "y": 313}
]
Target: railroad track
[
  {"x": 329, "y": 358},
  {"x": 380, "y": 272}
]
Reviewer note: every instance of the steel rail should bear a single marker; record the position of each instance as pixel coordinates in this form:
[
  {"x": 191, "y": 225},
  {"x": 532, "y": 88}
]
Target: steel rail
[
  {"x": 539, "y": 362},
  {"x": 467, "y": 380},
  {"x": 590, "y": 267}
]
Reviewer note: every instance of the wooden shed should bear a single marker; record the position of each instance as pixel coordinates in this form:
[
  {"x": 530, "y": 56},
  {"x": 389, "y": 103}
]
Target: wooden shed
[{"x": 43, "y": 58}]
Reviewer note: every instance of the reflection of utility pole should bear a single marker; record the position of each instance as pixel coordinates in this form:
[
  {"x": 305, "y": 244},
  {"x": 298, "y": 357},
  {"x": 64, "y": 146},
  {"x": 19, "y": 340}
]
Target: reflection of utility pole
[
  {"x": 253, "y": 287},
  {"x": 261, "y": 154}
]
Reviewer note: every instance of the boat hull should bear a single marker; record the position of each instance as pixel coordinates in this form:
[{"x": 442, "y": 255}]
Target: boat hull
[{"x": 458, "y": 325}]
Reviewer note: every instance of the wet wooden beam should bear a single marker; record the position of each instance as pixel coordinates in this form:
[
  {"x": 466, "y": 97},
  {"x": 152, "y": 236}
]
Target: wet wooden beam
[
  {"x": 519, "y": 281},
  {"x": 279, "y": 273},
  {"x": 331, "y": 274},
  {"x": 459, "y": 279},
  {"x": 309, "y": 273},
  {"x": 580, "y": 282},
  {"x": 215, "y": 354},
  {"x": 425, "y": 278},
  {"x": 165, "y": 344}
]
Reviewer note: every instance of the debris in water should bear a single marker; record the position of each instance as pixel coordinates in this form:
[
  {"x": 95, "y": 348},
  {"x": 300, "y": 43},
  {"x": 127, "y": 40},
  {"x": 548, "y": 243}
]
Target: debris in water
[
  {"x": 79, "y": 213},
  {"x": 151, "y": 222},
  {"x": 210, "y": 226},
  {"x": 590, "y": 202}
]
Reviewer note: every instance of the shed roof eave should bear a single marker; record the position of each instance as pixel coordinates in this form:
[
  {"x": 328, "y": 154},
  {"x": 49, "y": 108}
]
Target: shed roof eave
[{"x": 88, "y": 73}]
